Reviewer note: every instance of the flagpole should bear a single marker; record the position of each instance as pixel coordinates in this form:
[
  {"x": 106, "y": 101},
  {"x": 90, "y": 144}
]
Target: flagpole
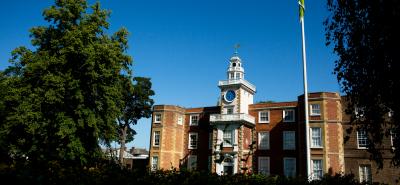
[{"x": 307, "y": 125}]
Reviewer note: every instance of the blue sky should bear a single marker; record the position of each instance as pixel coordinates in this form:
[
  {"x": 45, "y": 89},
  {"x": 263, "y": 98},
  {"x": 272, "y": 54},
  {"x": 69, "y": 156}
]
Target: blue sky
[{"x": 184, "y": 46}]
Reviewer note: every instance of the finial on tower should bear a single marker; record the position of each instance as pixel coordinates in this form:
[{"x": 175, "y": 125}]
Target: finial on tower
[{"x": 236, "y": 46}]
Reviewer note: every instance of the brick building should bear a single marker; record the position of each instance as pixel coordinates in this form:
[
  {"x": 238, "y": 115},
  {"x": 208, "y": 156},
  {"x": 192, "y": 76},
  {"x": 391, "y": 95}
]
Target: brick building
[{"x": 241, "y": 136}]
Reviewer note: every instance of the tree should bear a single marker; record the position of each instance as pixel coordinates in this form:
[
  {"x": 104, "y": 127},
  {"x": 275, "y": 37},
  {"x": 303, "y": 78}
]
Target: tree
[
  {"x": 365, "y": 36},
  {"x": 63, "y": 97},
  {"x": 136, "y": 105}
]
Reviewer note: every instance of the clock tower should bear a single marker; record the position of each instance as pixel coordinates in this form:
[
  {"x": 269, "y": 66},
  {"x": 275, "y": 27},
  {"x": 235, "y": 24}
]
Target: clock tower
[{"x": 233, "y": 129}]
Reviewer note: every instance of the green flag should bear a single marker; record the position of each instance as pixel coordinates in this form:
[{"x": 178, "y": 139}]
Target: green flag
[{"x": 301, "y": 9}]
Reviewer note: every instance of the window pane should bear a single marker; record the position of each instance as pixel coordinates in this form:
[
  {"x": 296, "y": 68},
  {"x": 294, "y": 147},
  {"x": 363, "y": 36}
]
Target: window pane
[
  {"x": 263, "y": 140},
  {"x": 316, "y": 137},
  {"x": 154, "y": 163},
  {"x": 192, "y": 140},
  {"x": 156, "y": 141},
  {"x": 263, "y": 165},
  {"x": 315, "y": 109},
  {"x": 289, "y": 167},
  {"x": 227, "y": 138},
  {"x": 365, "y": 173},
  {"x": 263, "y": 117},
  {"x": 288, "y": 115},
  {"x": 289, "y": 140},
  {"x": 317, "y": 169},
  {"x": 194, "y": 119},
  {"x": 362, "y": 139}
]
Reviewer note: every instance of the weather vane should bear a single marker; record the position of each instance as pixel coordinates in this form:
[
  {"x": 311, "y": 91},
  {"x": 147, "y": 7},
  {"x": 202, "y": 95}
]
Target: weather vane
[{"x": 236, "y": 46}]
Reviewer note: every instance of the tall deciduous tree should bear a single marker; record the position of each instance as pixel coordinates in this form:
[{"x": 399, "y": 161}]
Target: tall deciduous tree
[
  {"x": 366, "y": 36},
  {"x": 137, "y": 104},
  {"x": 62, "y": 97}
]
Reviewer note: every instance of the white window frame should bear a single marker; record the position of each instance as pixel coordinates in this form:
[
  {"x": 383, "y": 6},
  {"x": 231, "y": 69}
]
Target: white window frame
[
  {"x": 260, "y": 147},
  {"x": 287, "y": 145},
  {"x": 180, "y": 120},
  {"x": 312, "y": 109},
  {"x": 156, "y": 144},
  {"x": 192, "y": 162},
  {"x": 191, "y": 123},
  {"x": 312, "y": 137},
  {"x": 359, "y": 133},
  {"x": 259, "y": 116},
  {"x": 284, "y": 115},
  {"x": 190, "y": 146},
  {"x": 154, "y": 163},
  {"x": 319, "y": 172},
  {"x": 265, "y": 171},
  {"x": 364, "y": 173},
  {"x": 157, "y": 118},
  {"x": 232, "y": 136},
  {"x": 285, "y": 167}
]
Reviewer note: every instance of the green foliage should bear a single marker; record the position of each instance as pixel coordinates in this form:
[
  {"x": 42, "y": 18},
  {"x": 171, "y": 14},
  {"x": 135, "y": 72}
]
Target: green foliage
[
  {"x": 365, "y": 36},
  {"x": 61, "y": 99},
  {"x": 109, "y": 173}
]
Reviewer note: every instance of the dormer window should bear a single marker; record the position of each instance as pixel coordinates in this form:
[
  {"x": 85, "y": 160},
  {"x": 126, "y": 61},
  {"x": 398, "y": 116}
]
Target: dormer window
[{"x": 234, "y": 64}]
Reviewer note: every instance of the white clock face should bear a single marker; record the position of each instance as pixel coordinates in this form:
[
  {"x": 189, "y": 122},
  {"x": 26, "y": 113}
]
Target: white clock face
[{"x": 230, "y": 95}]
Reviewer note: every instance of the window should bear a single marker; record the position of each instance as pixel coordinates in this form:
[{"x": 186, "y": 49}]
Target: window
[
  {"x": 156, "y": 138},
  {"x": 316, "y": 140},
  {"x": 365, "y": 173},
  {"x": 317, "y": 169},
  {"x": 263, "y": 165},
  {"x": 263, "y": 140},
  {"x": 315, "y": 110},
  {"x": 289, "y": 142},
  {"x": 180, "y": 120},
  {"x": 231, "y": 75},
  {"x": 228, "y": 138},
  {"x": 362, "y": 139},
  {"x": 288, "y": 115},
  {"x": 193, "y": 140},
  {"x": 154, "y": 163},
  {"x": 237, "y": 75},
  {"x": 263, "y": 117},
  {"x": 194, "y": 120},
  {"x": 157, "y": 118},
  {"x": 229, "y": 110},
  {"x": 289, "y": 166},
  {"x": 192, "y": 162}
]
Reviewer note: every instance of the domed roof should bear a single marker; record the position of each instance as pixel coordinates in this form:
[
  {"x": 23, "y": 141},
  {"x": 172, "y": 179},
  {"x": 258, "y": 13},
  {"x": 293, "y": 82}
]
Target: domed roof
[{"x": 235, "y": 58}]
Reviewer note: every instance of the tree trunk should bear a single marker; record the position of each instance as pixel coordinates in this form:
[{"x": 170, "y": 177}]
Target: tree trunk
[{"x": 122, "y": 149}]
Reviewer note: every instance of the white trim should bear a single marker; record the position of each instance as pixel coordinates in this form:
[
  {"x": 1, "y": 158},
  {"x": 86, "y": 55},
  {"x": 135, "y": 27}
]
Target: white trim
[
  {"x": 365, "y": 170},
  {"x": 259, "y": 116},
  {"x": 154, "y": 166},
  {"x": 313, "y": 175},
  {"x": 320, "y": 138},
  {"x": 190, "y": 120},
  {"x": 283, "y": 115},
  {"x": 267, "y": 168},
  {"x": 180, "y": 120},
  {"x": 358, "y": 143},
  {"x": 190, "y": 140},
  {"x": 312, "y": 109},
  {"x": 154, "y": 138},
  {"x": 157, "y": 115}
]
